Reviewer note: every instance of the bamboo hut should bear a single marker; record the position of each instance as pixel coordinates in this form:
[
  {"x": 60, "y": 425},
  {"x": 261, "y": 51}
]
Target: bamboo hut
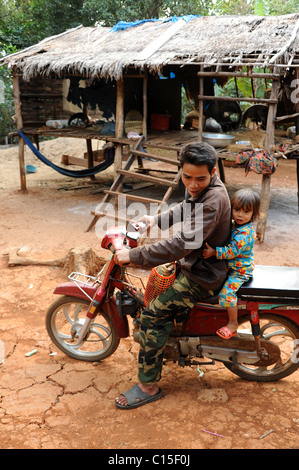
[{"x": 142, "y": 66}]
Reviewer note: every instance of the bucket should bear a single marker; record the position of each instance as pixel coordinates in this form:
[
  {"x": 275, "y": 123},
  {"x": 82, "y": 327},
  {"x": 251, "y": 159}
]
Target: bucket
[{"x": 160, "y": 122}]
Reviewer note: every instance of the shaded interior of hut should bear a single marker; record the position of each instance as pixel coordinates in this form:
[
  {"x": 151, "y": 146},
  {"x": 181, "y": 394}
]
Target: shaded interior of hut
[{"x": 56, "y": 105}]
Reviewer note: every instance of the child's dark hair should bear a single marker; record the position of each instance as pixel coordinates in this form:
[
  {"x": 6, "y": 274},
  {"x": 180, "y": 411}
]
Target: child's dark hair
[{"x": 248, "y": 200}]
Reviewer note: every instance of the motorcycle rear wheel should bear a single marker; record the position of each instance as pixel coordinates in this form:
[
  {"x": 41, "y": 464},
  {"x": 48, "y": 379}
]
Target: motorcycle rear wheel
[
  {"x": 66, "y": 316},
  {"x": 285, "y": 334}
]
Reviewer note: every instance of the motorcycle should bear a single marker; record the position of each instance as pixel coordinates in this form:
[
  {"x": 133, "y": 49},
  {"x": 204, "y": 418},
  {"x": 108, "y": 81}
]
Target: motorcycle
[{"x": 90, "y": 317}]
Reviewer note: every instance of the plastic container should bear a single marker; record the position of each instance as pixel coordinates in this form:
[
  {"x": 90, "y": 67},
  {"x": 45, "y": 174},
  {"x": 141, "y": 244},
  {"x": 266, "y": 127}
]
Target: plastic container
[
  {"x": 160, "y": 122},
  {"x": 30, "y": 169},
  {"x": 243, "y": 142}
]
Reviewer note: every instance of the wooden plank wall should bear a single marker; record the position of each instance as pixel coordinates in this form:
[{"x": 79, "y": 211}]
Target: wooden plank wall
[{"x": 42, "y": 99}]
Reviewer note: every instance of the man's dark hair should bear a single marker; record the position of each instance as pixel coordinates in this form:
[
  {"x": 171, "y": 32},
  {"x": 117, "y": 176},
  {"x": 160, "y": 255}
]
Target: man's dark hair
[{"x": 199, "y": 153}]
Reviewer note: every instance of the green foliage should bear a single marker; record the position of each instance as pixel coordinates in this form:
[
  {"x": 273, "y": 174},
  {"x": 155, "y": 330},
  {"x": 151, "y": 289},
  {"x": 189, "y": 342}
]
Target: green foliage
[
  {"x": 234, "y": 7},
  {"x": 261, "y": 8},
  {"x": 7, "y": 108},
  {"x": 280, "y": 7},
  {"x": 26, "y": 22},
  {"x": 255, "y": 7},
  {"x": 244, "y": 88},
  {"x": 109, "y": 12}
]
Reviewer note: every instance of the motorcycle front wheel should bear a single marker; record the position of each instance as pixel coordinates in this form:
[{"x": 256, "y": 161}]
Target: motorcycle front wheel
[
  {"x": 64, "y": 320},
  {"x": 285, "y": 334}
]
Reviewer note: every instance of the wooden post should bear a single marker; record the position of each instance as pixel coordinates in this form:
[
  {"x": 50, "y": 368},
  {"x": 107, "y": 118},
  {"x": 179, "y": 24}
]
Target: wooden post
[
  {"x": 144, "y": 122},
  {"x": 296, "y": 139},
  {"x": 89, "y": 156},
  {"x": 18, "y": 104},
  {"x": 297, "y": 110},
  {"x": 119, "y": 128},
  {"x": 200, "y": 107},
  {"x": 266, "y": 181}
]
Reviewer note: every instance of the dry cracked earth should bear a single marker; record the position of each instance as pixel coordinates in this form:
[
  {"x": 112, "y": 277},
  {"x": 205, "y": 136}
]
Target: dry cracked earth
[{"x": 50, "y": 401}]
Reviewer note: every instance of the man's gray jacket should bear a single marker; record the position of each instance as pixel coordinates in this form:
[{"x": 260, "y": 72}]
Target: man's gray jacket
[{"x": 206, "y": 218}]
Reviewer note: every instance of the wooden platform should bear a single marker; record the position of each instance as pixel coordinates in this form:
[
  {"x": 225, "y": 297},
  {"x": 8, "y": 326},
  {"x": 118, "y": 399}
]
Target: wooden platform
[{"x": 163, "y": 139}]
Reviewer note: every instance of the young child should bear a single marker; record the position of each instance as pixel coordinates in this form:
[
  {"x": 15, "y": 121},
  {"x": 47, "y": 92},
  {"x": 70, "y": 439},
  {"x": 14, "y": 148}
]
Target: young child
[{"x": 239, "y": 255}]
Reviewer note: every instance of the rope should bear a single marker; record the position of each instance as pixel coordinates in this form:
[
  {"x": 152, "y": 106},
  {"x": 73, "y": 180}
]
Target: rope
[{"x": 72, "y": 173}]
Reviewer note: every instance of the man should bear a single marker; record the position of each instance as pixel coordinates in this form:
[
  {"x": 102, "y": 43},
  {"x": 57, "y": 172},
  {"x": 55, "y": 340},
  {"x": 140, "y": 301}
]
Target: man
[{"x": 208, "y": 220}]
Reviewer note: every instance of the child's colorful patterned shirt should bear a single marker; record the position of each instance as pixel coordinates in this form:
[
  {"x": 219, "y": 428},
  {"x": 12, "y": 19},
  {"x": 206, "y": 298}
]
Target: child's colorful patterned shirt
[{"x": 239, "y": 251}]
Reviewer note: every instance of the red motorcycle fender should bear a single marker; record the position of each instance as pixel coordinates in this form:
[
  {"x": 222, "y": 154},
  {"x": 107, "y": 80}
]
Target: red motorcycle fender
[
  {"x": 120, "y": 323},
  {"x": 292, "y": 314},
  {"x": 70, "y": 288}
]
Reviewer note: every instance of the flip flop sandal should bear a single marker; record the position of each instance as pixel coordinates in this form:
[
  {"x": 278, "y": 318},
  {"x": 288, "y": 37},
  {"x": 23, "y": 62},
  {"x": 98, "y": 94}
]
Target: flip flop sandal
[
  {"x": 135, "y": 393},
  {"x": 225, "y": 333}
]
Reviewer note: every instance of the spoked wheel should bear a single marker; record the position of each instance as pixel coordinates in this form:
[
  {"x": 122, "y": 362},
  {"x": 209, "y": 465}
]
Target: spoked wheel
[
  {"x": 64, "y": 320},
  {"x": 285, "y": 335}
]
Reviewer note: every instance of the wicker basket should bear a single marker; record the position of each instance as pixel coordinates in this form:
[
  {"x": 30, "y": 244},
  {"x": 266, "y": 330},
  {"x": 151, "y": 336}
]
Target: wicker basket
[
  {"x": 158, "y": 283},
  {"x": 133, "y": 121}
]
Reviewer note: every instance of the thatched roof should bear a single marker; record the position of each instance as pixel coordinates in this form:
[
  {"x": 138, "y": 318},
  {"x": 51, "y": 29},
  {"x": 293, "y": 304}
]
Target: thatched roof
[{"x": 99, "y": 51}]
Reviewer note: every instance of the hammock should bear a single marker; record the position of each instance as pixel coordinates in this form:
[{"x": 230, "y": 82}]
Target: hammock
[{"x": 72, "y": 173}]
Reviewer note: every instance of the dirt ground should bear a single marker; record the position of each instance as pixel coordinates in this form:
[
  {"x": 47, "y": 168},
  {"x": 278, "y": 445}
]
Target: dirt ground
[{"x": 54, "y": 402}]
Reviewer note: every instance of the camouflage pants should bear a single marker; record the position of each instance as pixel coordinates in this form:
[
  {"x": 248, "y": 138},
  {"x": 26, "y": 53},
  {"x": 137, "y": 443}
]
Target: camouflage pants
[{"x": 157, "y": 322}]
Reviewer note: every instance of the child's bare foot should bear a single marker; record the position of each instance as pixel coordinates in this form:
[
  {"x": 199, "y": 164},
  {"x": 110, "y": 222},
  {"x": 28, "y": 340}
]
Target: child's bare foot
[{"x": 232, "y": 326}]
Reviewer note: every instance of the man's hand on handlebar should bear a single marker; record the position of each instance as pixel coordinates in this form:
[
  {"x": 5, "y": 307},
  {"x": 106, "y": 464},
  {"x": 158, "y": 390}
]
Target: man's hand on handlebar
[
  {"x": 122, "y": 257},
  {"x": 149, "y": 220}
]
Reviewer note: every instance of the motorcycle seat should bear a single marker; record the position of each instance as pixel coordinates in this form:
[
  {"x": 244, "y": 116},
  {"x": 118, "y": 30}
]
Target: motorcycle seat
[
  {"x": 269, "y": 283},
  {"x": 279, "y": 284}
]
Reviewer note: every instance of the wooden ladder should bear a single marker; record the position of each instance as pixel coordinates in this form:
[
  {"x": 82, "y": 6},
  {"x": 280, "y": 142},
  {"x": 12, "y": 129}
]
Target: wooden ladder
[{"x": 136, "y": 153}]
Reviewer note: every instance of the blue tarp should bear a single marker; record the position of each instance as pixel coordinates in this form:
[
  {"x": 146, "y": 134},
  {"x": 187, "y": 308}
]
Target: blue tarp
[{"x": 122, "y": 25}]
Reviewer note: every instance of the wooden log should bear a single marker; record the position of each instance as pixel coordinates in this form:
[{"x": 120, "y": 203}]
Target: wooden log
[
  {"x": 82, "y": 259},
  {"x": 15, "y": 259}
]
